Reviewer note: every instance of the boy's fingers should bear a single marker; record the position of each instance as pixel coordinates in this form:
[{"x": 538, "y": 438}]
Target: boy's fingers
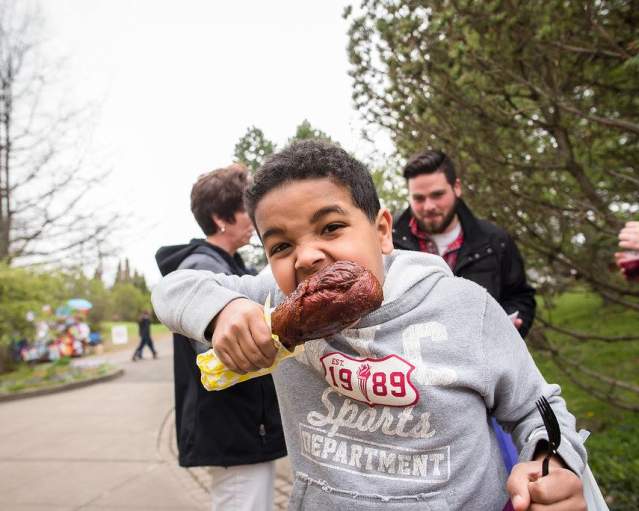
[
  {"x": 517, "y": 484},
  {"x": 261, "y": 335},
  {"x": 248, "y": 346},
  {"x": 241, "y": 359},
  {"x": 228, "y": 362},
  {"x": 228, "y": 349},
  {"x": 519, "y": 503},
  {"x": 232, "y": 337},
  {"x": 561, "y": 488},
  {"x": 242, "y": 348}
]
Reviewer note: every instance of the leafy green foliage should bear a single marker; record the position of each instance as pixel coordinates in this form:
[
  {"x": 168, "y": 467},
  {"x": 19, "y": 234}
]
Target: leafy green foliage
[
  {"x": 613, "y": 446},
  {"x": 47, "y": 211},
  {"x": 390, "y": 187},
  {"x": 128, "y": 302},
  {"x": 306, "y": 131},
  {"x": 252, "y": 148},
  {"x": 537, "y": 104},
  {"x": 22, "y": 291}
]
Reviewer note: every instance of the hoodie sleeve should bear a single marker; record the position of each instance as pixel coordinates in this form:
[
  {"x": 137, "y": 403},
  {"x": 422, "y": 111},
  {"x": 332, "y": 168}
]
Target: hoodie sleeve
[
  {"x": 513, "y": 384},
  {"x": 186, "y": 301}
]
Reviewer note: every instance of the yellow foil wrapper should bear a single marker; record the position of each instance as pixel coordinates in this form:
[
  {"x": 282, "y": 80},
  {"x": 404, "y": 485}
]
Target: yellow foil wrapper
[{"x": 215, "y": 375}]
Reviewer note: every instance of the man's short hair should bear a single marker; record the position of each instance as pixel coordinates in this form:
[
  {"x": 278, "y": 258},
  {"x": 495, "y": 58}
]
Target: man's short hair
[
  {"x": 219, "y": 192},
  {"x": 314, "y": 159},
  {"x": 428, "y": 162}
]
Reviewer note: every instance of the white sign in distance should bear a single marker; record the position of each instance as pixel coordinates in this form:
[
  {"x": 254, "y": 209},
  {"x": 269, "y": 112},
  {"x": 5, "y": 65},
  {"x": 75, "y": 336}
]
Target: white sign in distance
[{"x": 119, "y": 334}]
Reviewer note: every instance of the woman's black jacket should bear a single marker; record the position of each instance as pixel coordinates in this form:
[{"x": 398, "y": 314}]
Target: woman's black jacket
[{"x": 236, "y": 426}]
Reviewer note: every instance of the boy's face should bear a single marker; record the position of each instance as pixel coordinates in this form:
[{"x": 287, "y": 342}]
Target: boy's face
[{"x": 308, "y": 225}]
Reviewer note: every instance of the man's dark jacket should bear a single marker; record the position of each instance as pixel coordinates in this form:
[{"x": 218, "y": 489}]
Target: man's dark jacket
[
  {"x": 236, "y": 426},
  {"x": 488, "y": 257},
  {"x": 144, "y": 327}
]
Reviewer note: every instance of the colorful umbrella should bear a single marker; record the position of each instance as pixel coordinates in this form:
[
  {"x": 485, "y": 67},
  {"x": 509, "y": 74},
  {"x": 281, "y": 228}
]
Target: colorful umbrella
[
  {"x": 79, "y": 304},
  {"x": 63, "y": 311}
]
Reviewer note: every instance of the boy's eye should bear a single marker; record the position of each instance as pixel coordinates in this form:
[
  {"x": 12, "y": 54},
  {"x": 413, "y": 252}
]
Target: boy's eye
[
  {"x": 279, "y": 247},
  {"x": 332, "y": 228}
]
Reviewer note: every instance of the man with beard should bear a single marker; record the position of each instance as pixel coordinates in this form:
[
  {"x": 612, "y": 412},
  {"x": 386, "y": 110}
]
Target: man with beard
[{"x": 439, "y": 222}]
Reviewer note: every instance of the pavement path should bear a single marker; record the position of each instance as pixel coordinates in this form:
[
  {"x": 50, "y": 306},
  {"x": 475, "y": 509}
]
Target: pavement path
[{"x": 109, "y": 446}]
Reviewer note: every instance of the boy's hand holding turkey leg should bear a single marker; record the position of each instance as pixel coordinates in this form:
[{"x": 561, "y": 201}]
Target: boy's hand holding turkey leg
[{"x": 241, "y": 338}]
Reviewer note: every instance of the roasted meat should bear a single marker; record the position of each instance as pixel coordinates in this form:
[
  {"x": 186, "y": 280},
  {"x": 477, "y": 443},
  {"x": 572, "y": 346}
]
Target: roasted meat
[{"x": 326, "y": 303}]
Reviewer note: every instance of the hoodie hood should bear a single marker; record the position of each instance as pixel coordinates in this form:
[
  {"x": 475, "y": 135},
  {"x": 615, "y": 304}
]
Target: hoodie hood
[
  {"x": 169, "y": 258},
  {"x": 409, "y": 277}
]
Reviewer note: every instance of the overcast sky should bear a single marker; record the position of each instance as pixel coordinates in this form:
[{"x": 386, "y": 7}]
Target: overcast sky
[{"x": 179, "y": 82}]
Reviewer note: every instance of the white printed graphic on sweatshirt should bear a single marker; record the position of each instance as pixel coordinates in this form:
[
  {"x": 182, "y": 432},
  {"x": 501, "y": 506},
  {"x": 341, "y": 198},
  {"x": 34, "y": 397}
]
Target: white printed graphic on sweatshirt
[
  {"x": 375, "y": 381},
  {"x": 360, "y": 417},
  {"x": 372, "y": 402},
  {"x": 330, "y": 438},
  {"x": 369, "y": 459},
  {"x": 415, "y": 345}
]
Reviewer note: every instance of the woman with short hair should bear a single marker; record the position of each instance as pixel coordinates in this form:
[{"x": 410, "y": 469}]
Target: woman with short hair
[{"x": 238, "y": 431}]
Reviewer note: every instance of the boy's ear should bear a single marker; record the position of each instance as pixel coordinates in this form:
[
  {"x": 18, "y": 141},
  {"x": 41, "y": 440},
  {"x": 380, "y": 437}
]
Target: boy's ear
[{"x": 384, "y": 226}]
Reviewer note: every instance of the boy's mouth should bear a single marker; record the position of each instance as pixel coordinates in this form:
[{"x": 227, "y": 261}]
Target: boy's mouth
[
  {"x": 302, "y": 276},
  {"x": 335, "y": 298}
]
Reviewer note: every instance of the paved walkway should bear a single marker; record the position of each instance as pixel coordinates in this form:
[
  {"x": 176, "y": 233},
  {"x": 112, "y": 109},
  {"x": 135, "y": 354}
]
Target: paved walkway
[{"x": 109, "y": 446}]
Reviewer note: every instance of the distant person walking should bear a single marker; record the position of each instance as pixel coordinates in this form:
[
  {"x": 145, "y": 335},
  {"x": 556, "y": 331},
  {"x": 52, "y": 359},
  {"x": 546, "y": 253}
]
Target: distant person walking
[{"x": 144, "y": 330}]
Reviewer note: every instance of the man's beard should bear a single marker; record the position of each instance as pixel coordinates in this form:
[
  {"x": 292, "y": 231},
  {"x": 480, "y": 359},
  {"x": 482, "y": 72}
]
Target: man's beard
[{"x": 441, "y": 227}]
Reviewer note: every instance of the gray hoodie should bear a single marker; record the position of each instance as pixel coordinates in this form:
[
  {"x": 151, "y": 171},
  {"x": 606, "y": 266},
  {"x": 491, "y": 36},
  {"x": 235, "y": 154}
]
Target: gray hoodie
[{"x": 394, "y": 413}]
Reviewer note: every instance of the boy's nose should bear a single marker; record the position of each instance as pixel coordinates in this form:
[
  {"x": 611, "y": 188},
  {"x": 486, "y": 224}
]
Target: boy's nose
[{"x": 309, "y": 260}]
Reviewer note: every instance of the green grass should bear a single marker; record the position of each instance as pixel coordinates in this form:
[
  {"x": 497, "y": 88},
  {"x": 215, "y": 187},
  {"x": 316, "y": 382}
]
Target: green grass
[
  {"x": 31, "y": 377},
  {"x": 613, "y": 447}
]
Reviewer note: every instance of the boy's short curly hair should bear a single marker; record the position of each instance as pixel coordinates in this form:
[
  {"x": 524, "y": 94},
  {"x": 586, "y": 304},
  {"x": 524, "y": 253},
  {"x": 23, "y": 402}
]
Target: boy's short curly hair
[
  {"x": 313, "y": 159},
  {"x": 219, "y": 192}
]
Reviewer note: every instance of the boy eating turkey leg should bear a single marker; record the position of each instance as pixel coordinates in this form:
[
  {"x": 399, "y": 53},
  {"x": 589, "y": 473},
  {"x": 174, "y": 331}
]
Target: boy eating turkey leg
[{"x": 394, "y": 411}]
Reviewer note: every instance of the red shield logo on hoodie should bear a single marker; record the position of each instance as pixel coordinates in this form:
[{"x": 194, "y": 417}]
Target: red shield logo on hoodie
[{"x": 374, "y": 381}]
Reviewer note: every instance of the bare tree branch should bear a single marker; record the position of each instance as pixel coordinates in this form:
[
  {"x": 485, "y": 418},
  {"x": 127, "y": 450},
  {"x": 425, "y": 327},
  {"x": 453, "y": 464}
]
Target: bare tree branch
[
  {"x": 583, "y": 336},
  {"x": 42, "y": 171}
]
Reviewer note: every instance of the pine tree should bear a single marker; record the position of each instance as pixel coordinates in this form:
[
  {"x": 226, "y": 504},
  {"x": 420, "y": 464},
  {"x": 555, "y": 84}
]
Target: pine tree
[{"x": 118, "y": 273}]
